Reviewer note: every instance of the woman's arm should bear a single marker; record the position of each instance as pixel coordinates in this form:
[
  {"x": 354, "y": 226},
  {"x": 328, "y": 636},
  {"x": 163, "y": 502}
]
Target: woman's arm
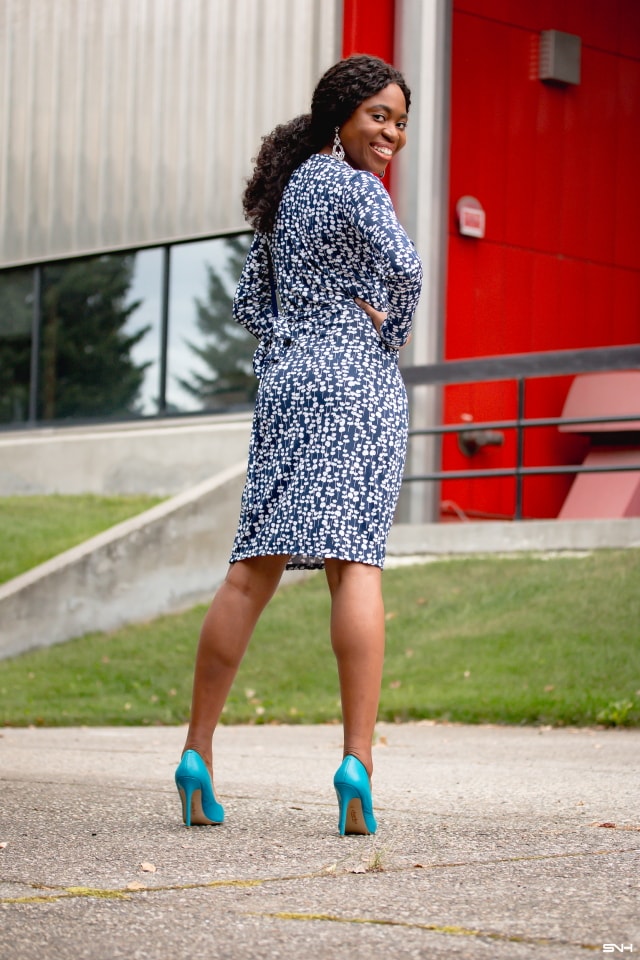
[
  {"x": 252, "y": 300},
  {"x": 369, "y": 209}
]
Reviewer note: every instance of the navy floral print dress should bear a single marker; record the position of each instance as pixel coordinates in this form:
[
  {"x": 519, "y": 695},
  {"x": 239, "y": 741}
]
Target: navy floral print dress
[{"x": 329, "y": 434}]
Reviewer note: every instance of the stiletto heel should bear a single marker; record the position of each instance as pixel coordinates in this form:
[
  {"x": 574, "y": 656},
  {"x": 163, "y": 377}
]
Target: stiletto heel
[
  {"x": 199, "y": 804},
  {"x": 355, "y": 805}
]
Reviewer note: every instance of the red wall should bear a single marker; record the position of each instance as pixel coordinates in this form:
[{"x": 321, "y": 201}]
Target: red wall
[
  {"x": 367, "y": 27},
  {"x": 556, "y": 169}
]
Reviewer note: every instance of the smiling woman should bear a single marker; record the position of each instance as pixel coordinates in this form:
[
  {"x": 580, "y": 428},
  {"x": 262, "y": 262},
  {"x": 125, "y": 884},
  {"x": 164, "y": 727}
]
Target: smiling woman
[
  {"x": 375, "y": 131},
  {"x": 328, "y": 289}
]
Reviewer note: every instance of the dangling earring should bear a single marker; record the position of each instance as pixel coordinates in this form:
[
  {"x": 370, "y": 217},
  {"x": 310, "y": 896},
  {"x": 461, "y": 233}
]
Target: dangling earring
[
  {"x": 338, "y": 149},
  {"x": 383, "y": 173}
]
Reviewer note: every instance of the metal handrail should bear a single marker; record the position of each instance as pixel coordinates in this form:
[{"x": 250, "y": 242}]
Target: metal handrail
[{"x": 520, "y": 368}]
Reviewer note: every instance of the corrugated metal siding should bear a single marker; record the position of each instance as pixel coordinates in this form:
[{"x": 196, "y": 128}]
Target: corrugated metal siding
[{"x": 133, "y": 121}]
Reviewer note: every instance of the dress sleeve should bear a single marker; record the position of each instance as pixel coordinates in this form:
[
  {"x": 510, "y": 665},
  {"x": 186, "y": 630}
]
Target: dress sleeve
[
  {"x": 369, "y": 209},
  {"x": 252, "y": 300}
]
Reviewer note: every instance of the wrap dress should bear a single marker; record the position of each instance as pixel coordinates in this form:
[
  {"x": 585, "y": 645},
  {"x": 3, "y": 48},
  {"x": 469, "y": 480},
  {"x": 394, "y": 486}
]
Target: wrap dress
[{"x": 329, "y": 433}]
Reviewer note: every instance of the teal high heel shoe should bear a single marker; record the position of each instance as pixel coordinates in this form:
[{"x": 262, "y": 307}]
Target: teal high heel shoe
[
  {"x": 354, "y": 798},
  {"x": 199, "y": 804}
]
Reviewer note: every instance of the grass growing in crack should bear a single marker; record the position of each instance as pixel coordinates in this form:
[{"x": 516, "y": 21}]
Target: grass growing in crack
[
  {"x": 516, "y": 640},
  {"x": 375, "y": 863}
]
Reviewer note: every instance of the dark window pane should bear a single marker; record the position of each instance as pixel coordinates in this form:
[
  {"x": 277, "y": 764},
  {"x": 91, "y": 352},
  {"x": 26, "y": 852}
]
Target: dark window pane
[
  {"x": 209, "y": 355},
  {"x": 16, "y": 298},
  {"x": 90, "y": 331}
]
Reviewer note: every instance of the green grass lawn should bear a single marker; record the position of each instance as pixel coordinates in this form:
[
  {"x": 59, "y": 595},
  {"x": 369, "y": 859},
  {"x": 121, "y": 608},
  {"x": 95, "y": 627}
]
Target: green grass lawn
[
  {"x": 34, "y": 529},
  {"x": 517, "y": 640}
]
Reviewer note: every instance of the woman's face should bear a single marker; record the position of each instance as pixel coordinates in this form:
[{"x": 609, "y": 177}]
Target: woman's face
[{"x": 376, "y": 130}]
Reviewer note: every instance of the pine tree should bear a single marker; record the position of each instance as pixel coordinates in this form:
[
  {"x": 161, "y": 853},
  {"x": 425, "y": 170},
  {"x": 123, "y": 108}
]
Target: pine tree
[
  {"x": 227, "y": 350},
  {"x": 16, "y": 291},
  {"x": 86, "y": 363}
]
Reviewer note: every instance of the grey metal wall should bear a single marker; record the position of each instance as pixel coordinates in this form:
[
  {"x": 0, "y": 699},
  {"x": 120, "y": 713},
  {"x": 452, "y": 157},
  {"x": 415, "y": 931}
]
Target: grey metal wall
[{"x": 126, "y": 122}]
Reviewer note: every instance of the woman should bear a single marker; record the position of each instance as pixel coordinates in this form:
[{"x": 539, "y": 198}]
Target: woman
[{"x": 330, "y": 426}]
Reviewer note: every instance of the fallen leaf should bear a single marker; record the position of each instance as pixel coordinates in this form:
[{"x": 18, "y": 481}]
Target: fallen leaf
[
  {"x": 147, "y": 867},
  {"x": 395, "y": 684},
  {"x": 610, "y": 826},
  {"x": 359, "y": 868},
  {"x": 136, "y": 885},
  {"x": 391, "y": 615},
  {"x": 549, "y": 688},
  {"x": 3, "y": 844}
]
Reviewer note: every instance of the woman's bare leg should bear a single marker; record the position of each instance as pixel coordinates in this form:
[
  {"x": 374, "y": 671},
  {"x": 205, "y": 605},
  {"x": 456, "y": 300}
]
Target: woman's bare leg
[
  {"x": 357, "y": 637},
  {"x": 225, "y": 635}
]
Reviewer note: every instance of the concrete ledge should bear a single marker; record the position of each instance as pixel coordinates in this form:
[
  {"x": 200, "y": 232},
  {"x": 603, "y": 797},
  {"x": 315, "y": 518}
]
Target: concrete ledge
[
  {"x": 175, "y": 555},
  {"x": 152, "y": 457},
  {"x": 158, "y": 562},
  {"x": 504, "y": 537}
]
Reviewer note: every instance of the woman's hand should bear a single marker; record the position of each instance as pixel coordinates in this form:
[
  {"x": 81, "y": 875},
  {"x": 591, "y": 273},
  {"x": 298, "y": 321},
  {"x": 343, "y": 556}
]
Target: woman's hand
[{"x": 377, "y": 317}]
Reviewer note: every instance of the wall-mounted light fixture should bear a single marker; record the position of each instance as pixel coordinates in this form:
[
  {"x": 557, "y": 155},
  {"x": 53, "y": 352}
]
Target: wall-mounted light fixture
[{"x": 559, "y": 57}]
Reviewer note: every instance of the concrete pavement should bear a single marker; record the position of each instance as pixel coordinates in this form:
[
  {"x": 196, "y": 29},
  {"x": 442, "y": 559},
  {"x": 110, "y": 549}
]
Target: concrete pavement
[{"x": 493, "y": 844}]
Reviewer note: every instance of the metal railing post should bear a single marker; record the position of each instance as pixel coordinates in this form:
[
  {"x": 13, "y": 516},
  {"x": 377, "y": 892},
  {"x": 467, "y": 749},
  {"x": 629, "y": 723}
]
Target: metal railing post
[
  {"x": 164, "y": 332},
  {"x": 520, "y": 447}
]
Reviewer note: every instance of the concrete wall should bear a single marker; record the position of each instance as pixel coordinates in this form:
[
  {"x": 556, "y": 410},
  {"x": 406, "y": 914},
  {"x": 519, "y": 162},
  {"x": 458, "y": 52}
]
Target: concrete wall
[
  {"x": 541, "y": 536},
  {"x": 175, "y": 554},
  {"x": 158, "y": 562},
  {"x": 159, "y": 457}
]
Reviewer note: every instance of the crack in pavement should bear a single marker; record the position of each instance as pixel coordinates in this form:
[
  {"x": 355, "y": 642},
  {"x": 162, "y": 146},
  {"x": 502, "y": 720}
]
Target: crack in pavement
[
  {"x": 434, "y": 928},
  {"x": 126, "y": 893}
]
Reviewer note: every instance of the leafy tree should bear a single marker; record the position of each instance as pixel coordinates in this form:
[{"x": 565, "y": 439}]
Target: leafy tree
[
  {"x": 86, "y": 363},
  {"x": 226, "y": 349}
]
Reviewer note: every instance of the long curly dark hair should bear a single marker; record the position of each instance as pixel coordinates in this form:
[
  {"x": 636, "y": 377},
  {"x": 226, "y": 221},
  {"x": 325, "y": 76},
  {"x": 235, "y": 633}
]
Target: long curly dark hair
[{"x": 338, "y": 94}]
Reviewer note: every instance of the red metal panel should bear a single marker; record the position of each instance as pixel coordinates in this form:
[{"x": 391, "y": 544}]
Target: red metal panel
[
  {"x": 368, "y": 27},
  {"x": 486, "y": 498},
  {"x": 586, "y": 142},
  {"x": 556, "y": 169},
  {"x": 629, "y": 29},
  {"x": 624, "y": 311},
  {"x": 612, "y": 26},
  {"x": 547, "y": 285},
  {"x": 626, "y": 169}
]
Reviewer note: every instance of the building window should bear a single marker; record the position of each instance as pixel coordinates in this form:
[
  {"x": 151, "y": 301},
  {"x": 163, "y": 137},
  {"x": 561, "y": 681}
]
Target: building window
[
  {"x": 16, "y": 320},
  {"x": 123, "y": 335},
  {"x": 88, "y": 335},
  {"x": 209, "y": 355},
  {"x": 146, "y": 294}
]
